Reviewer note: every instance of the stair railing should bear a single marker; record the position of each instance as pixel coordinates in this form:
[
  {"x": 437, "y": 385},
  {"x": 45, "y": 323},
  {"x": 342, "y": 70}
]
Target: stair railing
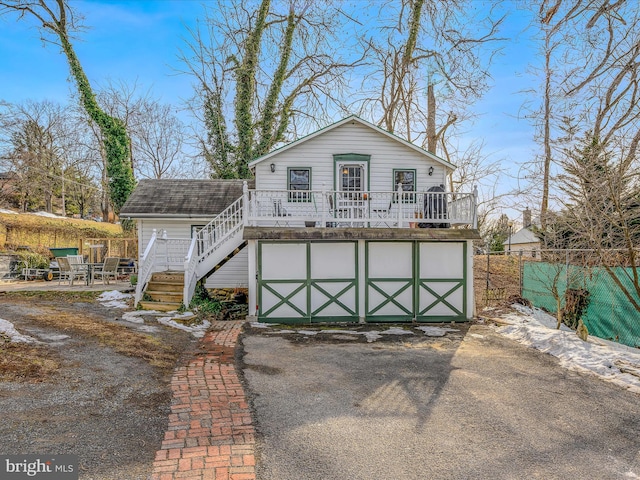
[
  {"x": 146, "y": 266},
  {"x": 210, "y": 239}
]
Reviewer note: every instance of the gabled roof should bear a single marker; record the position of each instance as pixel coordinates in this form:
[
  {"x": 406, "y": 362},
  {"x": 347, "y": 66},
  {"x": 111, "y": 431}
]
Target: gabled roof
[
  {"x": 524, "y": 235},
  {"x": 353, "y": 118},
  {"x": 182, "y": 198}
]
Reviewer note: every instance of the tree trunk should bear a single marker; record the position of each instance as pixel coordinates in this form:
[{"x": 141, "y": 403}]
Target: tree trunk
[{"x": 431, "y": 119}]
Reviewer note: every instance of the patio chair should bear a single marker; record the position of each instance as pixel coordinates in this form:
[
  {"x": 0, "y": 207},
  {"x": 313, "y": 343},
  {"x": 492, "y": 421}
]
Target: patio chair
[
  {"x": 69, "y": 271},
  {"x": 108, "y": 269},
  {"x": 332, "y": 212}
]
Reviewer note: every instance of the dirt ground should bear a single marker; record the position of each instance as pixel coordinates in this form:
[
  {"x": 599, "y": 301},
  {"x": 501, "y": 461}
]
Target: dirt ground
[{"x": 96, "y": 386}]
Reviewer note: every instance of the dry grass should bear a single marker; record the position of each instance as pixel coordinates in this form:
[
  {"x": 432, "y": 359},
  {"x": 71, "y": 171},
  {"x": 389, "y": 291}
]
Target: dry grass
[
  {"x": 41, "y": 232},
  {"x": 118, "y": 337},
  {"x": 26, "y": 220},
  {"x": 503, "y": 278},
  {"x": 20, "y": 361},
  {"x": 25, "y": 362}
]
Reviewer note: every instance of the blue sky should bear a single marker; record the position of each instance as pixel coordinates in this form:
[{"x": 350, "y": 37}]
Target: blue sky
[{"x": 139, "y": 41}]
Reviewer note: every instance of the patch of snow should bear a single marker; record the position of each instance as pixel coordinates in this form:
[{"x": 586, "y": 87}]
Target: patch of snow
[
  {"x": 308, "y": 332},
  {"x": 436, "y": 331},
  {"x": 114, "y": 299},
  {"x": 397, "y": 331},
  {"x": 133, "y": 317},
  {"x": 542, "y": 317},
  {"x": 53, "y": 337},
  {"x": 4, "y": 210},
  {"x": 10, "y": 331},
  {"x": 197, "y": 331},
  {"x": 346, "y": 332},
  {"x": 372, "y": 336},
  {"x": 611, "y": 362},
  {"x": 261, "y": 325},
  {"x": 47, "y": 214},
  {"x": 150, "y": 312}
]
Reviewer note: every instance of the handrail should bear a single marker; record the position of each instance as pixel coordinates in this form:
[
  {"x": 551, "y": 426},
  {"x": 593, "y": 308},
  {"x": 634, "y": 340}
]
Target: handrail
[
  {"x": 145, "y": 267},
  {"x": 208, "y": 240},
  {"x": 190, "y": 279}
]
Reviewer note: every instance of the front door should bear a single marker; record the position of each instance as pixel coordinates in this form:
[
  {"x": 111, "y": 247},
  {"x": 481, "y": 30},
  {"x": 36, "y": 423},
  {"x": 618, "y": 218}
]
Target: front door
[{"x": 351, "y": 181}]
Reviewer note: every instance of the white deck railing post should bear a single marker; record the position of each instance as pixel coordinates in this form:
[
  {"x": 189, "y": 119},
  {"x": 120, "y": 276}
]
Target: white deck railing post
[
  {"x": 323, "y": 222},
  {"x": 474, "y": 206},
  {"x": 245, "y": 203},
  {"x": 400, "y": 207}
]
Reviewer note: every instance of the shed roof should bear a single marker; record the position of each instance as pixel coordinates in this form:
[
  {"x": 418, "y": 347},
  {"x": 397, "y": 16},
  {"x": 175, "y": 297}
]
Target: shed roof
[{"x": 182, "y": 198}]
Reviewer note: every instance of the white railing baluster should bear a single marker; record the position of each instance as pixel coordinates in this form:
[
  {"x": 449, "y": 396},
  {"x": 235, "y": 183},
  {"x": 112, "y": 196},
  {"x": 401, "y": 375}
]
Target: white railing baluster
[{"x": 292, "y": 208}]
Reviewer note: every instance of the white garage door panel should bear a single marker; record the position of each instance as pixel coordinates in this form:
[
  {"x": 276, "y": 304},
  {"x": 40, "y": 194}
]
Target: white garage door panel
[
  {"x": 333, "y": 260},
  {"x": 390, "y": 259},
  {"x": 441, "y": 260},
  {"x": 284, "y": 261}
]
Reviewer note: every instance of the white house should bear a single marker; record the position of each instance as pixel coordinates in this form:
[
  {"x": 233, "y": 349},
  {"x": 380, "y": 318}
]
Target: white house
[{"x": 328, "y": 232}]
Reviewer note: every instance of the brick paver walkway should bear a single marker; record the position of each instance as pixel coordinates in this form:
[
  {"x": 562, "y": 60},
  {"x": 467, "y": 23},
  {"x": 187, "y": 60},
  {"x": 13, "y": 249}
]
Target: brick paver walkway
[{"x": 210, "y": 434}]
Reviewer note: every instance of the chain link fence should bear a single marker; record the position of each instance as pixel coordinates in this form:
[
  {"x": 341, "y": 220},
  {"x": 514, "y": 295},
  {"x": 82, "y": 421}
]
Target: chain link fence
[{"x": 600, "y": 288}]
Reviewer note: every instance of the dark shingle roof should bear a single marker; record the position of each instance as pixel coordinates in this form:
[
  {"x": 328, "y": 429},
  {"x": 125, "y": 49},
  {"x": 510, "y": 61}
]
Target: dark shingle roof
[{"x": 182, "y": 197}]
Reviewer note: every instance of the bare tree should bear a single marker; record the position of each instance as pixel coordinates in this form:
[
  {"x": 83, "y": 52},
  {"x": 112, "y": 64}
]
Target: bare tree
[
  {"x": 438, "y": 50},
  {"x": 58, "y": 19},
  {"x": 36, "y": 144},
  {"x": 263, "y": 70},
  {"x": 157, "y": 142},
  {"x": 590, "y": 65}
]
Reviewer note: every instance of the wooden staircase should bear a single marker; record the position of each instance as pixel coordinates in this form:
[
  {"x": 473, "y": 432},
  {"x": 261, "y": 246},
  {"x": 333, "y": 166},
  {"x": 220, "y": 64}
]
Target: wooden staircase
[{"x": 165, "y": 291}]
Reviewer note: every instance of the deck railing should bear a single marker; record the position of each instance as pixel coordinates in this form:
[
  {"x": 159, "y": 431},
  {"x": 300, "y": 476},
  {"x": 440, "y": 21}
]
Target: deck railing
[
  {"x": 146, "y": 266},
  {"x": 209, "y": 240},
  {"x": 295, "y": 208},
  {"x": 162, "y": 253}
]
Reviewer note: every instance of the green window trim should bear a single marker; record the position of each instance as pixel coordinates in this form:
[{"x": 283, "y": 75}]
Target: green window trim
[
  {"x": 351, "y": 158},
  {"x": 298, "y": 184}
]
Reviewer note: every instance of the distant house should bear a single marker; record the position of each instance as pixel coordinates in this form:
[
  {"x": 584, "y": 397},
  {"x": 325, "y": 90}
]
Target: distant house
[
  {"x": 524, "y": 240},
  {"x": 324, "y": 234}
]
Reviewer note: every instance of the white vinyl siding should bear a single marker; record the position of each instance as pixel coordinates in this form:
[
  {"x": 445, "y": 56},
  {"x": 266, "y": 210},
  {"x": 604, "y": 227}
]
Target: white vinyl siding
[
  {"x": 317, "y": 153},
  {"x": 175, "y": 228},
  {"x": 233, "y": 273}
]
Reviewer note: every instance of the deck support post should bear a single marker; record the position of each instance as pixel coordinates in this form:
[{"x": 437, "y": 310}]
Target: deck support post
[{"x": 252, "y": 280}]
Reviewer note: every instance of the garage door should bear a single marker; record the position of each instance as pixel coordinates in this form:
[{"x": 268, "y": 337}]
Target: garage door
[
  {"x": 424, "y": 281},
  {"x": 307, "y": 282},
  {"x": 401, "y": 281}
]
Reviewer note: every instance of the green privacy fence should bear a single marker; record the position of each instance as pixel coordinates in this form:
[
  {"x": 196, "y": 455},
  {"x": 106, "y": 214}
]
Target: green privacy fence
[{"x": 609, "y": 315}]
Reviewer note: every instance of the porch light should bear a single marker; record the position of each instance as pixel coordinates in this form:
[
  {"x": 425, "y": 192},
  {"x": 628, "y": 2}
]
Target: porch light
[
  {"x": 273, "y": 167},
  {"x": 430, "y": 171}
]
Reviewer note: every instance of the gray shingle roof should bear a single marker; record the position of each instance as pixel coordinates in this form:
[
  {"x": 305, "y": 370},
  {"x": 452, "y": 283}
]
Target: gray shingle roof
[{"x": 191, "y": 198}]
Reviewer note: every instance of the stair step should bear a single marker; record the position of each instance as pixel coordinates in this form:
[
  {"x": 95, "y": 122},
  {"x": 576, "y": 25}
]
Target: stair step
[
  {"x": 168, "y": 277},
  {"x": 155, "y": 286},
  {"x": 171, "y": 297},
  {"x": 160, "y": 306}
]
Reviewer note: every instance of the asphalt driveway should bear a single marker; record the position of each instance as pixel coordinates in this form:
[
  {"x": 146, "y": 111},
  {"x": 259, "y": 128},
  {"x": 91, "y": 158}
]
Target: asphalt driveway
[{"x": 469, "y": 405}]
